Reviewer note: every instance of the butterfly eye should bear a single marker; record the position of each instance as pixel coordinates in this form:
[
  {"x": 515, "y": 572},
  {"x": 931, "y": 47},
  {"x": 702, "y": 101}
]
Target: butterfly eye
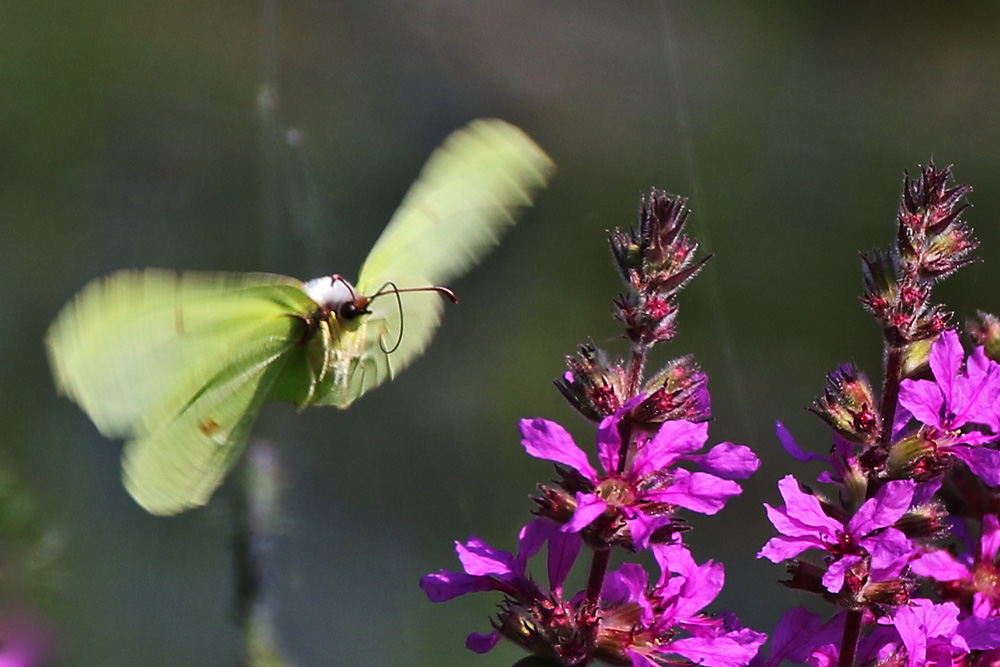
[{"x": 351, "y": 309}]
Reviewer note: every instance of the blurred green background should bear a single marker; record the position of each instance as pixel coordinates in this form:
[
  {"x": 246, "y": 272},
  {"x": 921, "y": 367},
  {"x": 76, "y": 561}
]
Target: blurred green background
[{"x": 279, "y": 135}]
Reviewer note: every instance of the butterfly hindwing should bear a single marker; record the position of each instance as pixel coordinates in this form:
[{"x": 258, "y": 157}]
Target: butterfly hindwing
[{"x": 178, "y": 457}]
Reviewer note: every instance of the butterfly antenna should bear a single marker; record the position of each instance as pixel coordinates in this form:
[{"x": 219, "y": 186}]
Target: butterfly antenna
[
  {"x": 390, "y": 286},
  {"x": 399, "y": 305}
]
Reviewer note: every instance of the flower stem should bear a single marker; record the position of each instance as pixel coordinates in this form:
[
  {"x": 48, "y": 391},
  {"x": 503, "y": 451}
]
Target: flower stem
[
  {"x": 890, "y": 393},
  {"x": 849, "y": 643},
  {"x": 595, "y": 581}
]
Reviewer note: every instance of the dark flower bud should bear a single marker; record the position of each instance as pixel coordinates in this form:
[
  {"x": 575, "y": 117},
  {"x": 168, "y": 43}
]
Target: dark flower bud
[
  {"x": 931, "y": 239},
  {"x": 679, "y": 391},
  {"x": 881, "y": 274},
  {"x": 657, "y": 258},
  {"x": 555, "y": 504},
  {"x": 927, "y": 522},
  {"x": 805, "y": 577},
  {"x": 917, "y": 456},
  {"x": 986, "y": 332},
  {"x": 927, "y": 204},
  {"x": 592, "y": 385},
  {"x": 849, "y": 406},
  {"x": 891, "y": 593}
]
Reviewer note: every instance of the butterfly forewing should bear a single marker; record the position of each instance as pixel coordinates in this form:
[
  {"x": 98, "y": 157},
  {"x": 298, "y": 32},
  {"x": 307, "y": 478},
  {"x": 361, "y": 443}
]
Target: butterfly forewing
[{"x": 464, "y": 199}]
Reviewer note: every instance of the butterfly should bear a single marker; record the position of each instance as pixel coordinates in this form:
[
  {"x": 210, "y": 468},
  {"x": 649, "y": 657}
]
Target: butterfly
[{"x": 180, "y": 363}]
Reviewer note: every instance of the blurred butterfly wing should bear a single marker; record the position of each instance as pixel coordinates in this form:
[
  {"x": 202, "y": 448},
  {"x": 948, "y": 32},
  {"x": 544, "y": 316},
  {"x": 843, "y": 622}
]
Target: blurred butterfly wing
[
  {"x": 133, "y": 340},
  {"x": 178, "y": 457},
  {"x": 464, "y": 199},
  {"x": 179, "y": 364},
  {"x": 462, "y": 202}
]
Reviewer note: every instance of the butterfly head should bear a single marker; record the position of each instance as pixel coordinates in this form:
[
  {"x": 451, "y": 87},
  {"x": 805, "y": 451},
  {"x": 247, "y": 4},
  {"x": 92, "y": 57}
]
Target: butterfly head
[{"x": 336, "y": 296}]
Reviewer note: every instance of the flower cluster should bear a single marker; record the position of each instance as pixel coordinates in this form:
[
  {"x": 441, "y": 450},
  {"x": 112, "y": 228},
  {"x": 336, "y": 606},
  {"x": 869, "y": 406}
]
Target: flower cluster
[
  {"x": 904, "y": 543},
  {"x": 914, "y": 473},
  {"x": 649, "y": 442}
]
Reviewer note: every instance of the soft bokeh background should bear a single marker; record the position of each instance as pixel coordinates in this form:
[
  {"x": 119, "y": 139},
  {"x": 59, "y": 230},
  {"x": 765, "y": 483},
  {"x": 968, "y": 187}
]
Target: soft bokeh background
[{"x": 279, "y": 135}]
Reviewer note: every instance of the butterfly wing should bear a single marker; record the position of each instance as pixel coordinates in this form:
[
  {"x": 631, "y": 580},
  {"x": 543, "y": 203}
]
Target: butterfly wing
[
  {"x": 138, "y": 349},
  {"x": 465, "y": 198},
  {"x": 179, "y": 457}
]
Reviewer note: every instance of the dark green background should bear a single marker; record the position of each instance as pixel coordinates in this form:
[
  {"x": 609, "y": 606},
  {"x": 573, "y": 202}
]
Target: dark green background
[{"x": 131, "y": 135}]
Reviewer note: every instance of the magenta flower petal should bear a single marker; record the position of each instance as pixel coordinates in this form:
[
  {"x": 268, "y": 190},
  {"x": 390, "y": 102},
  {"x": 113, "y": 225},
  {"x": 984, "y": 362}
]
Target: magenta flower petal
[
  {"x": 890, "y": 503},
  {"x": 989, "y": 542},
  {"x": 945, "y": 360},
  {"x": 922, "y": 399},
  {"x": 728, "y": 461},
  {"x": 792, "y": 447},
  {"x": 982, "y": 461},
  {"x": 940, "y": 565},
  {"x": 802, "y": 514},
  {"x": 589, "y": 506},
  {"x": 673, "y": 440},
  {"x": 609, "y": 443},
  {"x": 721, "y": 651},
  {"x": 480, "y": 643},
  {"x": 531, "y": 538},
  {"x": 833, "y": 578},
  {"x": 480, "y": 559},
  {"x": 981, "y": 634},
  {"x": 548, "y": 440},
  {"x": 891, "y": 550},
  {"x": 445, "y": 585},
  {"x": 642, "y": 526},
  {"x": 697, "y": 491},
  {"x": 563, "y": 551},
  {"x": 782, "y": 548}
]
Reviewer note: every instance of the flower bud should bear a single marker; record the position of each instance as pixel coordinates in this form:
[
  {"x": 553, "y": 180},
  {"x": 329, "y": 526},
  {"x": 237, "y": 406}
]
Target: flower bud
[
  {"x": 592, "y": 385},
  {"x": 848, "y": 405},
  {"x": 679, "y": 391}
]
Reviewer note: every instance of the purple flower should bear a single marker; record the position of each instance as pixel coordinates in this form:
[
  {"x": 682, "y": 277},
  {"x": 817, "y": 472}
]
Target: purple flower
[
  {"x": 957, "y": 405},
  {"x": 801, "y": 635},
  {"x": 634, "y": 623},
  {"x": 933, "y": 635},
  {"x": 671, "y": 606},
  {"x": 868, "y": 539},
  {"x": 630, "y": 499},
  {"x": 957, "y": 396},
  {"x": 488, "y": 569},
  {"x": 973, "y": 583}
]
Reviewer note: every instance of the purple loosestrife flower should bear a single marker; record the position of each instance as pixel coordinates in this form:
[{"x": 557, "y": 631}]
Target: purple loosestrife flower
[
  {"x": 487, "y": 569},
  {"x": 672, "y": 606},
  {"x": 630, "y": 500},
  {"x": 932, "y": 635},
  {"x": 635, "y": 623},
  {"x": 972, "y": 583},
  {"x": 959, "y": 408},
  {"x": 868, "y": 549}
]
